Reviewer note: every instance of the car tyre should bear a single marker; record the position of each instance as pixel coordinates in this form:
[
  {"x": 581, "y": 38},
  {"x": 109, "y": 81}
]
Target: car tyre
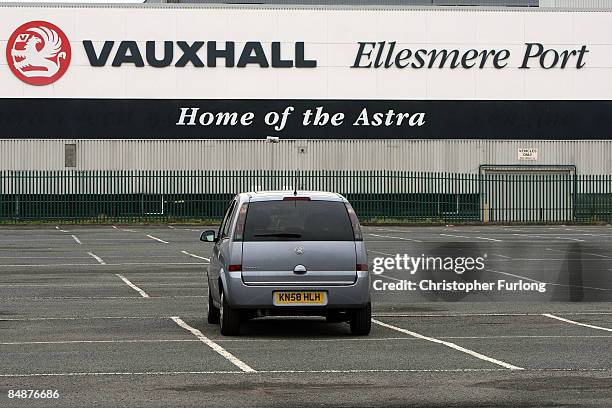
[
  {"x": 214, "y": 314},
  {"x": 361, "y": 321},
  {"x": 229, "y": 319}
]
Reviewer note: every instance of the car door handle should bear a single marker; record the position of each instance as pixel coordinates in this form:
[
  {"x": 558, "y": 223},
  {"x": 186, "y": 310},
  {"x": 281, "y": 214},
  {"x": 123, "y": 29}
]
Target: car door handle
[{"x": 299, "y": 269}]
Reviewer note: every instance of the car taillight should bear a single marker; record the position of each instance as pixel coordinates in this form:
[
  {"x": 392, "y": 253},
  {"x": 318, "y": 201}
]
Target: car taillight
[
  {"x": 239, "y": 233},
  {"x": 354, "y": 222},
  {"x": 362, "y": 267},
  {"x": 235, "y": 268}
]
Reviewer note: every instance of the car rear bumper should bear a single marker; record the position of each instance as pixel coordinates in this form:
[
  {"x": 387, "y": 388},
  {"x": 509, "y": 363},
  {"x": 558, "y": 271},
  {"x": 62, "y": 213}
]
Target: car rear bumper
[{"x": 242, "y": 296}]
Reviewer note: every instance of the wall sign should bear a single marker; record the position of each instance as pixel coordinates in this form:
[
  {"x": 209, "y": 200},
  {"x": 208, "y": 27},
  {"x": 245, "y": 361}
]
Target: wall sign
[
  {"x": 303, "y": 119},
  {"x": 38, "y": 53},
  {"x": 229, "y": 52},
  {"x": 323, "y": 73},
  {"x": 389, "y": 55},
  {"x": 528, "y": 154}
]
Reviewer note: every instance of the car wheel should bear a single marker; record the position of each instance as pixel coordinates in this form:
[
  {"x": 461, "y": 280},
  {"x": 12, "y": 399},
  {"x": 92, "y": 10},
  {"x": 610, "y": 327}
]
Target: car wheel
[
  {"x": 229, "y": 319},
  {"x": 361, "y": 321},
  {"x": 214, "y": 314}
]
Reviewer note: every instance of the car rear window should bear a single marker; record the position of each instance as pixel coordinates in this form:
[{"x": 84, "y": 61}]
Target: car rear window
[{"x": 298, "y": 221}]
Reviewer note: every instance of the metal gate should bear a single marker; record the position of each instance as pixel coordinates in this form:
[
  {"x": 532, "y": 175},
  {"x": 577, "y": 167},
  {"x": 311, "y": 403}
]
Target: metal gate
[{"x": 528, "y": 193}]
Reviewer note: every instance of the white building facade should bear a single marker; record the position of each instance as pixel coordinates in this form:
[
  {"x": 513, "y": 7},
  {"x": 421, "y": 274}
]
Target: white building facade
[{"x": 343, "y": 88}]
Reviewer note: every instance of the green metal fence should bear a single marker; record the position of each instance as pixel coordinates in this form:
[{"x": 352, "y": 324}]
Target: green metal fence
[{"x": 123, "y": 196}]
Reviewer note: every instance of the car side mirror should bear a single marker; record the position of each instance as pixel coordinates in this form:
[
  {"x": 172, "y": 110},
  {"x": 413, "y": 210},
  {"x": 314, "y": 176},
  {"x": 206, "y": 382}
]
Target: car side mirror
[{"x": 208, "y": 236}]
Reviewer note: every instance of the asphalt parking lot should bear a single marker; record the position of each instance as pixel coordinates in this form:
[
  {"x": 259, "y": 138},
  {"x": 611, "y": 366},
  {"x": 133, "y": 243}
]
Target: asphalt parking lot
[{"x": 115, "y": 315}]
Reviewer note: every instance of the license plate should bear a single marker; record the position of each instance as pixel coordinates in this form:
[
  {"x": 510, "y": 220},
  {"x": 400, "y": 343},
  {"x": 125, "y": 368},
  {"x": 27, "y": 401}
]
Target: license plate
[{"x": 310, "y": 298}]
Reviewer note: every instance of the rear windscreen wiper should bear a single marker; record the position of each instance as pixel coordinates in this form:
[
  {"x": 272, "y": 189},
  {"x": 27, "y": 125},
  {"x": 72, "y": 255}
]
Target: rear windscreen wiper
[{"x": 279, "y": 234}]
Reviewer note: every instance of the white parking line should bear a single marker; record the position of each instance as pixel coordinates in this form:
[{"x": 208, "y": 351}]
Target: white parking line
[
  {"x": 123, "y": 229},
  {"x": 513, "y": 230},
  {"x": 382, "y": 253},
  {"x": 170, "y": 275},
  {"x": 448, "y": 344},
  {"x": 220, "y": 350},
  {"x": 490, "y": 239},
  {"x": 455, "y": 236},
  {"x": 392, "y": 230},
  {"x": 97, "y": 297},
  {"x": 548, "y": 236},
  {"x": 502, "y": 256},
  {"x": 76, "y": 240},
  {"x": 390, "y": 277},
  {"x": 25, "y": 343},
  {"x": 175, "y": 373},
  {"x": 131, "y": 285},
  {"x": 584, "y": 253},
  {"x": 28, "y": 319},
  {"x": 97, "y": 258},
  {"x": 184, "y": 285},
  {"x": 59, "y": 229},
  {"x": 195, "y": 256},
  {"x": 425, "y": 370},
  {"x": 515, "y": 276},
  {"x": 31, "y": 257},
  {"x": 367, "y": 339},
  {"x": 338, "y": 340},
  {"x": 526, "y": 337},
  {"x": 158, "y": 239},
  {"x": 160, "y": 263},
  {"x": 480, "y": 314},
  {"x": 464, "y": 236},
  {"x": 105, "y": 264},
  {"x": 451, "y": 314},
  {"x": 115, "y": 239},
  {"x": 400, "y": 238},
  {"x": 576, "y": 323},
  {"x": 116, "y": 373},
  {"x": 35, "y": 319},
  {"x": 557, "y": 259},
  {"x": 60, "y": 285}
]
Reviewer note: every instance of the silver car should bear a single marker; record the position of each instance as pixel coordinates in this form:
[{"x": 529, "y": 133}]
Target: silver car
[{"x": 288, "y": 253}]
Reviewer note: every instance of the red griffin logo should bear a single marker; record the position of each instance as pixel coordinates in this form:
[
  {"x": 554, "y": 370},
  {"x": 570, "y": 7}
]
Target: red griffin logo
[{"x": 38, "y": 53}]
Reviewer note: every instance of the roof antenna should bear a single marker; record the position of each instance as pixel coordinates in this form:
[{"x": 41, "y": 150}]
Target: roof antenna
[{"x": 296, "y": 176}]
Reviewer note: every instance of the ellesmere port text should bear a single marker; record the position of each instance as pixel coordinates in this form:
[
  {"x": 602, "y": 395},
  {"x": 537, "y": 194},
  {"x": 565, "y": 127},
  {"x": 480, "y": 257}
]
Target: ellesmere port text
[{"x": 389, "y": 55}]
